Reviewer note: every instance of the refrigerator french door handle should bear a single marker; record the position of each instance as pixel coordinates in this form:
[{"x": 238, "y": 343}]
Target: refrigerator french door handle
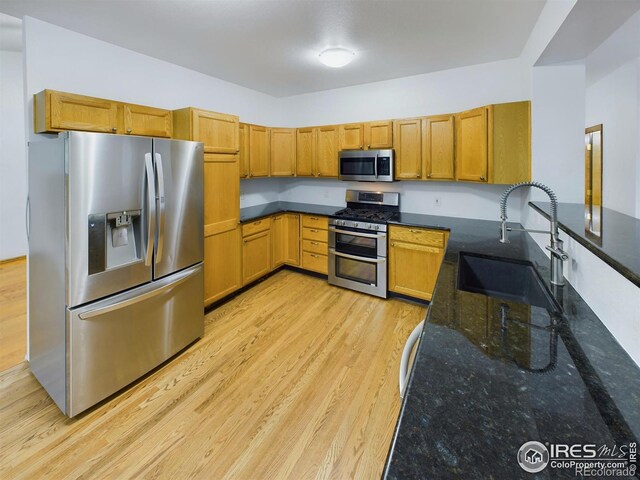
[
  {"x": 151, "y": 201},
  {"x": 161, "y": 217}
]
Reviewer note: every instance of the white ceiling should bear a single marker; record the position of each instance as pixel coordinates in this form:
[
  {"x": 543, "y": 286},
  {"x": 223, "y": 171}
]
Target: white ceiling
[
  {"x": 271, "y": 45},
  {"x": 10, "y": 33}
]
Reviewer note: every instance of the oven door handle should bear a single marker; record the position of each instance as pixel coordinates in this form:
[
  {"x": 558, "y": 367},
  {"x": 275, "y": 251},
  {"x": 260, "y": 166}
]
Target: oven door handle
[
  {"x": 358, "y": 234},
  {"x": 332, "y": 251}
]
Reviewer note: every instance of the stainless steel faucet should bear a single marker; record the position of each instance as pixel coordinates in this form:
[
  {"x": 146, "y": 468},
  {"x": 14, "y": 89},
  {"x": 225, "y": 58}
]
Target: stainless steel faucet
[{"x": 557, "y": 254}]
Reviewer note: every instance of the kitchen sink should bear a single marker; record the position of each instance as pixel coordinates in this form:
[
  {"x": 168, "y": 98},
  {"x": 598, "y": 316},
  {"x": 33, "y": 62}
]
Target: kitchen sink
[{"x": 506, "y": 279}]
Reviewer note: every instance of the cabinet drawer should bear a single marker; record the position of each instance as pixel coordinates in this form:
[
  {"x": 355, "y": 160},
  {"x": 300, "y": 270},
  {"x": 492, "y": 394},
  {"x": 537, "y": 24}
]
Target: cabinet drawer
[
  {"x": 315, "y": 234},
  {"x": 255, "y": 227},
  {"x": 315, "y": 221},
  {"x": 421, "y": 236},
  {"x": 314, "y": 246},
  {"x": 315, "y": 262}
]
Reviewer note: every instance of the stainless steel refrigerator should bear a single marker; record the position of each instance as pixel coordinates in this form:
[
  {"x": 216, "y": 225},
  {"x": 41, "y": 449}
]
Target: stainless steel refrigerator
[{"x": 115, "y": 260}]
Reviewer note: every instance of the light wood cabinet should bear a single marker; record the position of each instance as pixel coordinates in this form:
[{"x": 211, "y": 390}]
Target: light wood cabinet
[
  {"x": 327, "y": 151},
  {"x": 244, "y": 150},
  {"x": 259, "y": 151},
  {"x": 352, "y": 136},
  {"x": 283, "y": 152},
  {"x": 256, "y": 251},
  {"x": 222, "y": 260},
  {"x": 221, "y": 193},
  {"x": 438, "y": 147},
  {"x": 415, "y": 255},
  {"x": 378, "y": 135},
  {"x": 407, "y": 142},
  {"x": 493, "y": 144},
  {"x": 306, "y": 152},
  {"x": 472, "y": 155},
  {"x": 218, "y": 131},
  {"x": 56, "y": 111},
  {"x": 147, "y": 121},
  {"x": 314, "y": 245},
  {"x": 285, "y": 237}
]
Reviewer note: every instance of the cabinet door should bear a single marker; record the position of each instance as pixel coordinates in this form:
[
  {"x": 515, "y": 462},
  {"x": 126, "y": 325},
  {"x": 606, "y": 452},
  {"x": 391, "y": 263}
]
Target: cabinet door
[
  {"x": 471, "y": 145},
  {"x": 306, "y": 152},
  {"x": 218, "y": 131},
  {"x": 283, "y": 152},
  {"x": 147, "y": 121},
  {"x": 78, "y": 112},
  {"x": 256, "y": 256},
  {"x": 413, "y": 268},
  {"x": 378, "y": 135},
  {"x": 278, "y": 241},
  {"x": 221, "y": 193},
  {"x": 258, "y": 151},
  {"x": 292, "y": 237},
  {"x": 438, "y": 147},
  {"x": 407, "y": 143},
  {"x": 327, "y": 152},
  {"x": 351, "y": 136},
  {"x": 244, "y": 150},
  {"x": 222, "y": 260}
]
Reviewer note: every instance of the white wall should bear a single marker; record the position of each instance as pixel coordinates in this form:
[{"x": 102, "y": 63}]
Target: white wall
[
  {"x": 258, "y": 191},
  {"x": 60, "y": 59},
  {"x": 613, "y": 102},
  {"x": 13, "y": 168}
]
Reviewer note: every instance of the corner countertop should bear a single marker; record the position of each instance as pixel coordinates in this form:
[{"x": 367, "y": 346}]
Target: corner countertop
[
  {"x": 619, "y": 244},
  {"x": 480, "y": 387},
  {"x": 256, "y": 212}
]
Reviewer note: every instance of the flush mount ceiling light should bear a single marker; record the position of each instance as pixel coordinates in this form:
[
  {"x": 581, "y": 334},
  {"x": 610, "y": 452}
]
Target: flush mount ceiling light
[{"x": 336, "y": 57}]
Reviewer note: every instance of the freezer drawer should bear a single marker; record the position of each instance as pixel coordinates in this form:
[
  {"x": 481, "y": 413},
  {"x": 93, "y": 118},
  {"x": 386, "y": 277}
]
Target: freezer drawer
[{"x": 115, "y": 341}]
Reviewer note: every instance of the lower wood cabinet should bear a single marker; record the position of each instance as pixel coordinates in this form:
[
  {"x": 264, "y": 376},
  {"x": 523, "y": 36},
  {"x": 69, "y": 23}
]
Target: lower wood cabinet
[
  {"x": 256, "y": 250},
  {"x": 315, "y": 247},
  {"x": 415, "y": 255},
  {"x": 222, "y": 265},
  {"x": 285, "y": 238}
]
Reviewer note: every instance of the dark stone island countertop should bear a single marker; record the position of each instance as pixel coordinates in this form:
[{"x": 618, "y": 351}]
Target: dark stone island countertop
[
  {"x": 479, "y": 389},
  {"x": 619, "y": 244}
]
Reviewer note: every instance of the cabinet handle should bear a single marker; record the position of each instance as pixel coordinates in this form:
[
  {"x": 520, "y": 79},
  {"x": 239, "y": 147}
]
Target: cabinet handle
[
  {"x": 313, "y": 230},
  {"x": 237, "y": 150},
  {"x": 245, "y": 241},
  {"x": 417, "y": 175},
  {"x": 369, "y": 146},
  {"x": 315, "y": 243},
  {"x": 314, "y": 218},
  {"x": 482, "y": 178},
  {"x": 393, "y": 244},
  {"x": 429, "y": 175},
  {"x": 360, "y": 146},
  {"x": 258, "y": 222},
  {"x": 114, "y": 129},
  {"x": 314, "y": 255},
  {"x": 128, "y": 130},
  {"x": 414, "y": 231}
]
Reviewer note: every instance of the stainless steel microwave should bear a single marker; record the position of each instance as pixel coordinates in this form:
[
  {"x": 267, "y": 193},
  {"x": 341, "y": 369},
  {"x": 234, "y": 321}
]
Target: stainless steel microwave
[{"x": 366, "y": 165}]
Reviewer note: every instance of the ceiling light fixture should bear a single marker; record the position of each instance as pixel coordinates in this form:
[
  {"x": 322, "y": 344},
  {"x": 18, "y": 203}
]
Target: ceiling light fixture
[{"x": 336, "y": 57}]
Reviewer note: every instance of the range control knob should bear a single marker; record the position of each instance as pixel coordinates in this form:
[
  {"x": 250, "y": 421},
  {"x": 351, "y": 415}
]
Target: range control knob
[
  {"x": 355, "y": 224},
  {"x": 376, "y": 227}
]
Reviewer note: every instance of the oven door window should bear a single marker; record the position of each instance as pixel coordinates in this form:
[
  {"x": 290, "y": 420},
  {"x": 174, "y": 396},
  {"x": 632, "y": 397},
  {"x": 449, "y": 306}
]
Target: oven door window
[
  {"x": 356, "y": 270},
  {"x": 357, "y": 166},
  {"x": 356, "y": 245}
]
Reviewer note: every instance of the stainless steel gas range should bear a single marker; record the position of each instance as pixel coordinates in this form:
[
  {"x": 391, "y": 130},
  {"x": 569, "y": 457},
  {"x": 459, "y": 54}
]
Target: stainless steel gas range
[{"x": 358, "y": 241}]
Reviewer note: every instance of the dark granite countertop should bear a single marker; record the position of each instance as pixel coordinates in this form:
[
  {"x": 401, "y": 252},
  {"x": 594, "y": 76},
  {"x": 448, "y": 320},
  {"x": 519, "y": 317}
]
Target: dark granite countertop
[
  {"x": 481, "y": 387},
  {"x": 619, "y": 243},
  {"x": 248, "y": 214},
  {"x": 479, "y": 391}
]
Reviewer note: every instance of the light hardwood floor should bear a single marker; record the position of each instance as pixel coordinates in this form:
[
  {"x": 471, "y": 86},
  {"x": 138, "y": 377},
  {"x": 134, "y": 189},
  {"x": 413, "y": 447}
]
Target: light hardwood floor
[
  {"x": 13, "y": 312},
  {"x": 292, "y": 379}
]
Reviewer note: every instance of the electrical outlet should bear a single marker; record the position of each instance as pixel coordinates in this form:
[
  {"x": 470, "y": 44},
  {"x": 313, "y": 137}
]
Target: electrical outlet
[{"x": 437, "y": 202}]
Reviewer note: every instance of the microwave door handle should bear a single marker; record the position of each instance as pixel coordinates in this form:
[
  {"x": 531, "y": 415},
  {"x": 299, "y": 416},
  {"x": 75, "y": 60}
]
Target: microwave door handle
[
  {"x": 151, "y": 205},
  {"x": 161, "y": 206},
  {"x": 354, "y": 257},
  {"x": 358, "y": 234},
  {"x": 375, "y": 166}
]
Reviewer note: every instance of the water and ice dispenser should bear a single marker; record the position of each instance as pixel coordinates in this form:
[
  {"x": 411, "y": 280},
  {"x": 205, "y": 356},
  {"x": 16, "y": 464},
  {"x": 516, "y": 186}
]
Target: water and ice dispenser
[{"x": 114, "y": 240}]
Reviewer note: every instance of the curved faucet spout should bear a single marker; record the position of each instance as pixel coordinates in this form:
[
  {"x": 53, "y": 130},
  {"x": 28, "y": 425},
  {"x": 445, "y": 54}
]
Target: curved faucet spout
[{"x": 557, "y": 254}]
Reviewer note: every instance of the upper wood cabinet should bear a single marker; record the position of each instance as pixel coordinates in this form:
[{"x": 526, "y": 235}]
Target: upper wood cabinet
[
  {"x": 327, "y": 151},
  {"x": 244, "y": 150},
  {"x": 218, "y": 131},
  {"x": 306, "y": 151},
  {"x": 221, "y": 193},
  {"x": 56, "y": 111},
  {"x": 438, "y": 149},
  {"x": 259, "y": 151},
  {"x": 283, "y": 152},
  {"x": 378, "y": 135},
  {"x": 352, "y": 136},
  {"x": 493, "y": 143},
  {"x": 149, "y": 121},
  {"x": 407, "y": 142},
  {"x": 472, "y": 153}
]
